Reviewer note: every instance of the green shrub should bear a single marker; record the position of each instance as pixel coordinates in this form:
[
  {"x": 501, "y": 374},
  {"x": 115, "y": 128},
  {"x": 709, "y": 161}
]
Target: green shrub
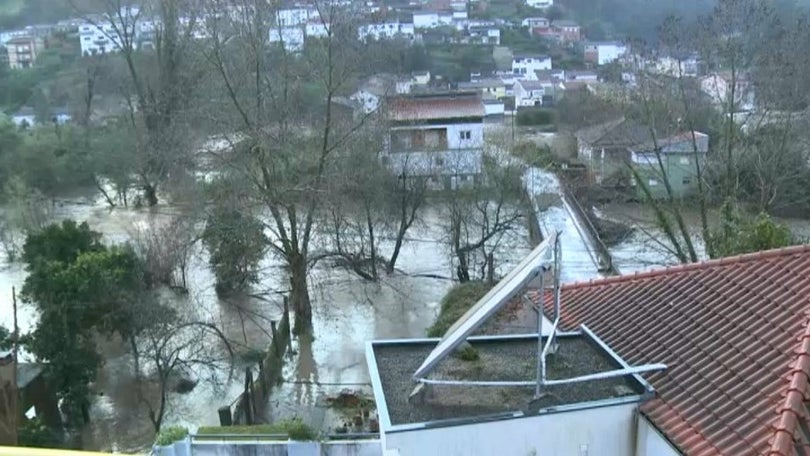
[
  {"x": 533, "y": 155},
  {"x": 34, "y": 433},
  {"x": 468, "y": 353},
  {"x": 295, "y": 429},
  {"x": 171, "y": 434},
  {"x": 535, "y": 116},
  {"x": 453, "y": 305}
]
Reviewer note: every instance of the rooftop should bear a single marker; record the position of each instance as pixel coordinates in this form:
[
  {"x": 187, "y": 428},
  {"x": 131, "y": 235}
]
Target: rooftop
[
  {"x": 26, "y": 373},
  {"x": 435, "y": 107},
  {"x": 530, "y": 56},
  {"x": 618, "y": 133},
  {"x": 735, "y": 333},
  {"x": 501, "y": 358},
  {"x": 533, "y": 85}
]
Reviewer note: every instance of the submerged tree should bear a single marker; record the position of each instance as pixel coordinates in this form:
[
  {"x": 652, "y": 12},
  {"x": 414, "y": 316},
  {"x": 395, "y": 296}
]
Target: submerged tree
[
  {"x": 480, "y": 215},
  {"x": 738, "y": 233},
  {"x": 236, "y": 244},
  {"x": 80, "y": 288},
  {"x": 281, "y": 101},
  {"x": 161, "y": 82}
]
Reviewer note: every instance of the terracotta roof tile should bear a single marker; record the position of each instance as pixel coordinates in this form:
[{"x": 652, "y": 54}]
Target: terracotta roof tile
[
  {"x": 735, "y": 334},
  {"x": 421, "y": 108}
]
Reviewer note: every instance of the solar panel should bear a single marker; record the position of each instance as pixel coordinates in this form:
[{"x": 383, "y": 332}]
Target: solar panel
[{"x": 527, "y": 270}]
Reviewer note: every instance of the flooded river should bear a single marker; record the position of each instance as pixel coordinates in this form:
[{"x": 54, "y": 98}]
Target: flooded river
[{"x": 347, "y": 312}]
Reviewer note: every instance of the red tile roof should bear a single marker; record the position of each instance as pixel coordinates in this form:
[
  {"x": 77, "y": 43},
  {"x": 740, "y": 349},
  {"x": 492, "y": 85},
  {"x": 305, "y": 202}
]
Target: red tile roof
[
  {"x": 435, "y": 107},
  {"x": 735, "y": 334}
]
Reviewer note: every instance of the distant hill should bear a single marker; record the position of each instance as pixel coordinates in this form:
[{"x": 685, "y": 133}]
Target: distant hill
[{"x": 19, "y": 13}]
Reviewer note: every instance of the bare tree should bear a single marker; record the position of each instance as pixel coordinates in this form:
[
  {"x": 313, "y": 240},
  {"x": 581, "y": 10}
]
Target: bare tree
[
  {"x": 169, "y": 351},
  {"x": 281, "y": 104},
  {"x": 166, "y": 250},
  {"x": 161, "y": 81},
  {"x": 408, "y": 193},
  {"x": 480, "y": 215}
]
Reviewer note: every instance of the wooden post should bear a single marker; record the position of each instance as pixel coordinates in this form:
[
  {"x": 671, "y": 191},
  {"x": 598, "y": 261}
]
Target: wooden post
[
  {"x": 275, "y": 343},
  {"x": 225, "y": 417},
  {"x": 247, "y": 396}
]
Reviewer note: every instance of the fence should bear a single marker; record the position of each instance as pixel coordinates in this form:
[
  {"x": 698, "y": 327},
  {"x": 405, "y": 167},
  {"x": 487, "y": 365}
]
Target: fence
[
  {"x": 603, "y": 256},
  {"x": 250, "y": 404}
]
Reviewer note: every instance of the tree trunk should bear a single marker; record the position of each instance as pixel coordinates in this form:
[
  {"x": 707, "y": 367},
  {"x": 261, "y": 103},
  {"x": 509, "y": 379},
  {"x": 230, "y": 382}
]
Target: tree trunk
[
  {"x": 463, "y": 269},
  {"x": 397, "y": 247},
  {"x": 299, "y": 295},
  {"x": 150, "y": 195},
  {"x": 370, "y": 225}
]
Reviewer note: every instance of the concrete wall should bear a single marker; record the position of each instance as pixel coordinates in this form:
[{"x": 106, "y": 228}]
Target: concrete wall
[
  {"x": 597, "y": 431},
  {"x": 650, "y": 442},
  {"x": 353, "y": 448},
  {"x": 462, "y": 156}
]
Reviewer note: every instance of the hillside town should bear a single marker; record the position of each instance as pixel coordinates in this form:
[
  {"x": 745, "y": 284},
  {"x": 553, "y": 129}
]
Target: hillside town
[{"x": 404, "y": 227}]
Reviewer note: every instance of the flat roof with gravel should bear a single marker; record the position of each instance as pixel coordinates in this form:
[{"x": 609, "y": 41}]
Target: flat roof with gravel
[{"x": 500, "y": 358}]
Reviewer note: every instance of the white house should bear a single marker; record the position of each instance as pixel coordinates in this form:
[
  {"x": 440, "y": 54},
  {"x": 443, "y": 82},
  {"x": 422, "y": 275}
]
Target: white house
[
  {"x": 295, "y": 16},
  {"x": 535, "y": 22},
  {"x": 604, "y": 52},
  {"x": 386, "y": 30},
  {"x": 540, "y": 3},
  {"x": 371, "y": 93},
  {"x": 671, "y": 66},
  {"x": 425, "y": 19},
  {"x": 420, "y": 77},
  {"x": 440, "y": 136},
  {"x": 26, "y": 117},
  {"x": 98, "y": 35},
  {"x": 484, "y": 35},
  {"x": 531, "y": 93},
  {"x": 524, "y": 66},
  {"x": 8, "y": 35},
  {"x": 494, "y": 107},
  {"x": 292, "y": 38},
  {"x": 717, "y": 86}
]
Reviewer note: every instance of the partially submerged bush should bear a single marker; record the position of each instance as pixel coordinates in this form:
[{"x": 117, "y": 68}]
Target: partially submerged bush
[
  {"x": 171, "y": 434},
  {"x": 467, "y": 353},
  {"x": 453, "y": 305}
]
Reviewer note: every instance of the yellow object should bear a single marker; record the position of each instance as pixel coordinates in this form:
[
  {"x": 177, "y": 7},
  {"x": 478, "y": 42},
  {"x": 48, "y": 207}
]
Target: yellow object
[{"x": 23, "y": 451}]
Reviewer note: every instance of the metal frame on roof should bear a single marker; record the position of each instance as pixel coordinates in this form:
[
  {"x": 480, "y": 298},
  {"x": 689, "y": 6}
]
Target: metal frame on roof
[{"x": 532, "y": 267}]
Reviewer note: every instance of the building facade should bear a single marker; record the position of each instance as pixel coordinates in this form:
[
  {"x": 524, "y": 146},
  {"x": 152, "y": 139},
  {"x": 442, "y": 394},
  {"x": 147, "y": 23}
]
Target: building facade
[
  {"x": 680, "y": 159},
  {"x": 437, "y": 136},
  {"x": 23, "y": 51},
  {"x": 602, "y": 53},
  {"x": 524, "y": 66}
]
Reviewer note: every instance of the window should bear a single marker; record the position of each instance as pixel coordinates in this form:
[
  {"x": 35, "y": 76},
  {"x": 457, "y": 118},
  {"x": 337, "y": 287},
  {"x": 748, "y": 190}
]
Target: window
[
  {"x": 652, "y": 183},
  {"x": 464, "y": 134},
  {"x": 684, "y": 160}
]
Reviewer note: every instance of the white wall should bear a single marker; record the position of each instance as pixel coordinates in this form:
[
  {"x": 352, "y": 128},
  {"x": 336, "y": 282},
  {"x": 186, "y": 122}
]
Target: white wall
[
  {"x": 368, "y": 100},
  {"x": 526, "y": 67},
  {"x": 607, "y": 431},
  {"x": 463, "y": 156},
  {"x": 385, "y": 30},
  {"x": 425, "y": 20},
  {"x": 24, "y": 120},
  {"x": 494, "y": 109},
  {"x": 292, "y": 37},
  {"x": 650, "y": 442},
  {"x": 609, "y": 53},
  {"x": 225, "y": 448}
]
